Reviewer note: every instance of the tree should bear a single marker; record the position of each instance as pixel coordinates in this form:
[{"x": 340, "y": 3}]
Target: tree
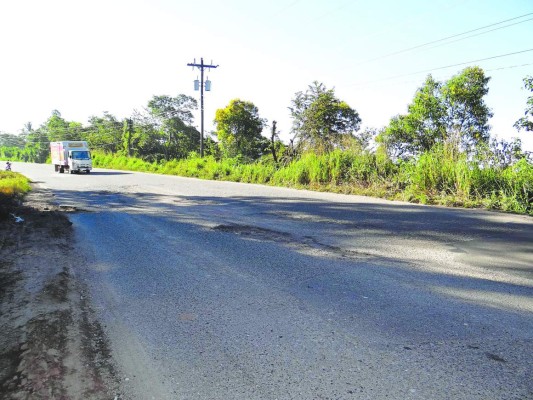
[
  {"x": 167, "y": 108},
  {"x": 127, "y": 136},
  {"x": 274, "y": 137},
  {"x": 452, "y": 113},
  {"x": 146, "y": 140},
  {"x": 526, "y": 122},
  {"x": 104, "y": 132},
  {"x": 320, "y": 120},
  {"x": 10, "y": 140},
  {"x": 421, "y": 127},
  {"x": 466, "y": 114},
  {"x": 26, "y": 129},
  {"x": 365, "y": 139},
  {"x": 504, "y": 153},
  {"x": 38, "y": 145},
  {"x": 56, "y": 127},
  {"x": 238, "y": 129},
  {"x": 173, "y": 117}
]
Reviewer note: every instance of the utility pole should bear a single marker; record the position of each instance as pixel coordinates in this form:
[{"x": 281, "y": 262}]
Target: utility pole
[{"x": 202, "y": 67}]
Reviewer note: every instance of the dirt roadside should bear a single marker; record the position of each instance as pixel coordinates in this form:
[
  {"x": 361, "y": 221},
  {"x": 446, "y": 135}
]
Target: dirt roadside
[{"x": 51, "y": 345}]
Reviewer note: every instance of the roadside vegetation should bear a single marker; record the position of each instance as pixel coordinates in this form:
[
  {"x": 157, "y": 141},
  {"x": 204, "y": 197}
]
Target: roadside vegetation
[
  {"x": 13, "y": 186},
  {"x": 439, "y": 152}
]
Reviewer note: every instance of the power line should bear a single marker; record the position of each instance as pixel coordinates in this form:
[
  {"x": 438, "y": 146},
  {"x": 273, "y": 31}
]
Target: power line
[
  {"x": 481, "y": 33},
  {"x": 453, "y": 36},
  {"x": 447, "y": 66},
  {"x": 509, "y": 67},
  {"x": 471, "y": 62},
  {"x": 381, "y": 83}
]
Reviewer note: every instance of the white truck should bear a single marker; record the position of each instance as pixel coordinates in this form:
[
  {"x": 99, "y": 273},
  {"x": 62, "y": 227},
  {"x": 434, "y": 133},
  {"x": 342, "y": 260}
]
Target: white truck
[{"x": 71, "y": 156}]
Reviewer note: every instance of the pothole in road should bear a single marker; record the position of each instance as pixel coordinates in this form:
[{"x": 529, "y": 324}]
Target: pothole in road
[
  {"x": 256, "y": 232},
  {"x": 69, "y": 208},
  {"x": 305, "y": 243},
  {"x": 196, "y": 201}
]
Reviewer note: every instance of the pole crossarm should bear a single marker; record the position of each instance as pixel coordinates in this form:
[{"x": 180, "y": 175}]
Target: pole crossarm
[{"x": 202, "y": 65}]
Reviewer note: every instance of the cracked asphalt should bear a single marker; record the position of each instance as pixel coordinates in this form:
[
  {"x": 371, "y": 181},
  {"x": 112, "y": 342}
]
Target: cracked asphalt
[{"x": 218, "y": 290}]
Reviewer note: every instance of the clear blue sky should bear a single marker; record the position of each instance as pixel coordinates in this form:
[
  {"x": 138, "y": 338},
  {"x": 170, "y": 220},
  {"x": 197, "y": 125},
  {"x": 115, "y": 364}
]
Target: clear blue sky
[{"x": 86, "y": 57}]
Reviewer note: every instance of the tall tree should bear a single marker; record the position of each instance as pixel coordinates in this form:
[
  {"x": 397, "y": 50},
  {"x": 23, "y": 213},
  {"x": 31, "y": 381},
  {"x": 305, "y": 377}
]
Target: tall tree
[
  {"x": 173, "y": 116},
  {"x": 238, "y": 129},
  {"x": 451, "y": 112},
  {"x": 104, "y": 132},
  {"x": 422, "y": 126},
  {"x": 166, "y": 107},
  {"x": 526, "y": 122},
  {"x": 10, "y": 140},
  {"x": 146, "y": 141},
  {"x": 321, "y": 120},
  {"x": 466, "y": 118},
  {"x": 38, "y": 145},
  {"x": 56, "y": 127}
]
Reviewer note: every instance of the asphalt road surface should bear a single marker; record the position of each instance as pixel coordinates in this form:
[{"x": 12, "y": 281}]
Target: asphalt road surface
[{"x": 218, "y": 290}]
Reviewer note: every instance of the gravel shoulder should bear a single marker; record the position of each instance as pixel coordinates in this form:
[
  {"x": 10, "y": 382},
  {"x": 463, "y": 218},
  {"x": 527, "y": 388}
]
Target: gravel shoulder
[{"x": 51, "y": 346}]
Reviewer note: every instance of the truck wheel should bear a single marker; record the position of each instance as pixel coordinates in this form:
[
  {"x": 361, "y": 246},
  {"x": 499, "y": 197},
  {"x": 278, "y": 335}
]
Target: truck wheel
[{"x": 88, "y": 171}]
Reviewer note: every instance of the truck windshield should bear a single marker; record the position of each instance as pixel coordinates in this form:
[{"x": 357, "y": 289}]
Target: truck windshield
[{"x": 81, "y": 155}]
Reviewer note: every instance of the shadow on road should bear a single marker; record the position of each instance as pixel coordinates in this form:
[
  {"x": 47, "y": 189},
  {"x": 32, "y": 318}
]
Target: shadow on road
[
  {"x": 476, "y": 238},
  {"x": 108, "y": 173}
]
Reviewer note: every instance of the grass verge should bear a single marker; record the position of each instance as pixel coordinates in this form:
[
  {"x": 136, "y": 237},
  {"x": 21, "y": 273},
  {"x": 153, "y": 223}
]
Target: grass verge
[
  {"x": 435, "y": 177},
  {"x": 13, "y": 186}
]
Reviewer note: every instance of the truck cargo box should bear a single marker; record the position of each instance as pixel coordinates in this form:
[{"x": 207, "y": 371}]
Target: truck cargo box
[{"x": 72, "y": 156}]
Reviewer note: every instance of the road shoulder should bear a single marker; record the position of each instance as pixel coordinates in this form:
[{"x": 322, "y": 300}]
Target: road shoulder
[{"x": 51, "y": 345}]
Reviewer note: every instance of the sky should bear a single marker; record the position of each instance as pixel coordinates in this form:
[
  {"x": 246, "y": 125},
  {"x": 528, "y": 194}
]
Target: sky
[{"x": 85, "y": 57}]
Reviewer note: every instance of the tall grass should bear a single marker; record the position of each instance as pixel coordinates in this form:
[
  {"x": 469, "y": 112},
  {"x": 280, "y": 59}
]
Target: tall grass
[
  {"x": 120, "y": 162},
  {"x": 13, "y": 184},
  {"x": 12, "y": 187},
  {"x": 436, "y": 177},
  {"x": 509, "y": 189}
]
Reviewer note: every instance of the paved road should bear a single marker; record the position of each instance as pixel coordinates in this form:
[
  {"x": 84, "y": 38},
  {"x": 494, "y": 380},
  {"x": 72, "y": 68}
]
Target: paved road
[{"x": 216, "y": 290}]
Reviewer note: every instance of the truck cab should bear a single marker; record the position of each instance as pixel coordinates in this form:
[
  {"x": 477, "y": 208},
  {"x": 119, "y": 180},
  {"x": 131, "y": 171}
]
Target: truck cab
[{"x": 80, "y": 160}]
